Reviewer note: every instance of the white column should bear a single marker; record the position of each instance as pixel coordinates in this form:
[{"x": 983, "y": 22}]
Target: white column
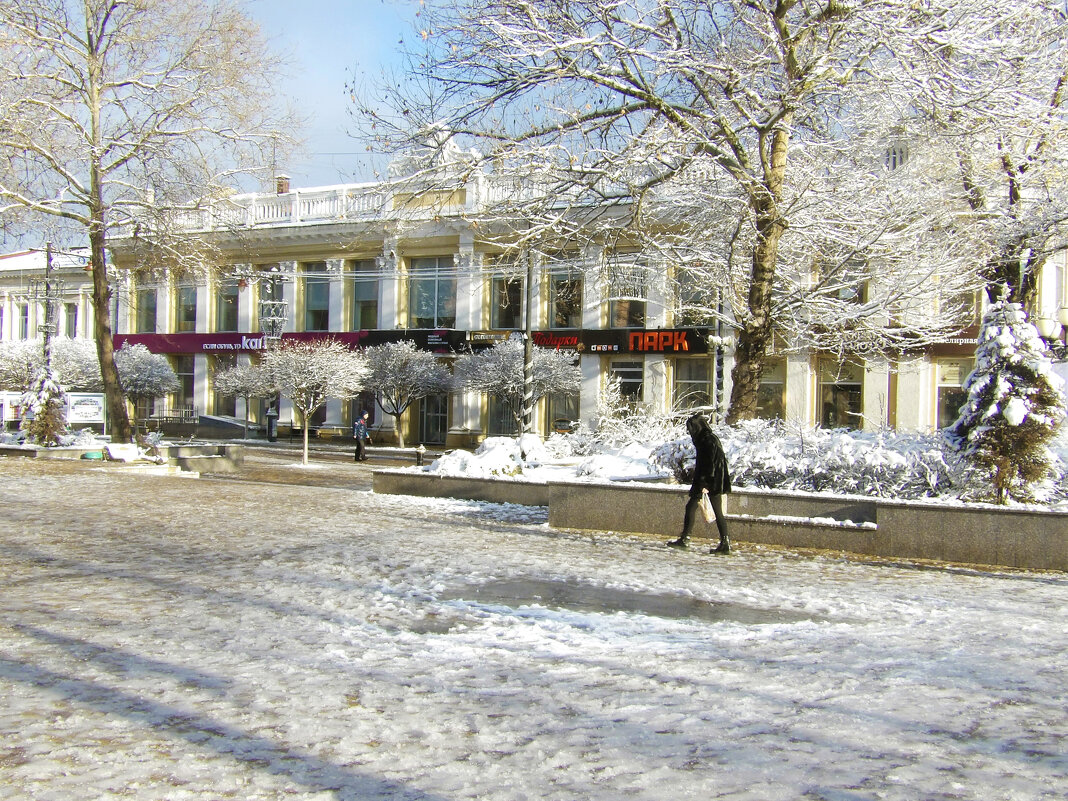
[
  {"x": 657, "y": 392},
  {"x": 590, "y": 389},
  {"x": 289, "y": 292},
  {"x": 656, "y": 295},
  {"x": 205, "y": 293},
  {"x": 876, "y": 405},
  {"x": 915, "y": 395},
  {"x": 592, "y": 289},
  {"x": 336, "y": 270},
  {"x": 244, "y": 301},
  {"x": 800, "y": 405},
  {"x": 389, "y": 285},
  {"x": 469, "y": 289}
]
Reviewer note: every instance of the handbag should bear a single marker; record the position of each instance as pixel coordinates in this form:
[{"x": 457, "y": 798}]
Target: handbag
[{"x": 706, "y": 507}]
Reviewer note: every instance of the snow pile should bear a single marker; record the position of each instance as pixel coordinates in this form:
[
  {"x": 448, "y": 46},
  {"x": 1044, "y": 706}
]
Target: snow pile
[{"x": 496, "y": 457}]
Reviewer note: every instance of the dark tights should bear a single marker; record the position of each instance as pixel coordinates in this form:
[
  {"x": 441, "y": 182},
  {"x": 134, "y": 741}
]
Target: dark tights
[{"x": 691, "y": 512}]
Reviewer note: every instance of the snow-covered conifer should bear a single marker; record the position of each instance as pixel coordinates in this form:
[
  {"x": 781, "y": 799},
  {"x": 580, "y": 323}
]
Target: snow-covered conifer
[
  {"x": 399, "y": 374},
  {"x": 1014, "y": 407},
  {"x": 44, "y": 408}
]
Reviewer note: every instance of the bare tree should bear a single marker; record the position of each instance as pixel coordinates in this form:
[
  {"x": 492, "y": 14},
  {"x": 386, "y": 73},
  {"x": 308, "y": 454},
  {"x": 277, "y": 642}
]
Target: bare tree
[
  {"x": 400, "y": 374},
  {"x": 115, "y": 113},
  {"x": 993, "y": 98},
  {"x": 309, "y": 373},
  {"x": 246, "y": 381},
  {"x": 499, "y": 371},
  {"x": 762, "y": 150}
]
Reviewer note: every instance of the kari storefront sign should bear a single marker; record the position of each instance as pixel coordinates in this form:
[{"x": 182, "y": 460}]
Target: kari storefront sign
[{"x": 434, "y": 340}]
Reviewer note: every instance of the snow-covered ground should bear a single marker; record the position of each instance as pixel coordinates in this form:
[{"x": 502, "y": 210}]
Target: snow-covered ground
[{"x": 175, "y": 639}]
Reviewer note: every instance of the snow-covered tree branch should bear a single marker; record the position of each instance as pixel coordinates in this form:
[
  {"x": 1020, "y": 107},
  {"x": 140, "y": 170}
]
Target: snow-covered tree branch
[{"x": 399, "y": 374}]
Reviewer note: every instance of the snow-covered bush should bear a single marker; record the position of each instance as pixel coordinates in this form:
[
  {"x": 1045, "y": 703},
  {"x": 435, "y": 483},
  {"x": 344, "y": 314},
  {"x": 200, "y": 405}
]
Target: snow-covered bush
[
  {"x": 496, "y": 457},
  {"x": 771, "y": 454}
]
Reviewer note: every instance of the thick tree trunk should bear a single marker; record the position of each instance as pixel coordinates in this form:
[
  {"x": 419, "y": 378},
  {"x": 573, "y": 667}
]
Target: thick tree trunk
[
  {"x": 118, "y": 416},
  {"x": 754, "y": 337}
]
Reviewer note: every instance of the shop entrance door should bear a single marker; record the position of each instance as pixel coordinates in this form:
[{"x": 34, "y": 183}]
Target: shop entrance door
[{"x": 433, "y": 419}]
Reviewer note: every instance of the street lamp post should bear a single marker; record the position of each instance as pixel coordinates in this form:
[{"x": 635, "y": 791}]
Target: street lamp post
[{"x": 274, "y": 314}]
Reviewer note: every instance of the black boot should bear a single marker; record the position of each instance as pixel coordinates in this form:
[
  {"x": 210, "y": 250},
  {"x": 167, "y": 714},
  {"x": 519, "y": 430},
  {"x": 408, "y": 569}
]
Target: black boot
[
  {"x": 723, "y": 547},
  {"x": 681, "y": 542}
]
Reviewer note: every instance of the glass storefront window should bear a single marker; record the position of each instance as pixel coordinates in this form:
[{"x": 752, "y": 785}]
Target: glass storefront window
[
  {"x": 950, "y": 386},
  {"x": 771, "y": 396},
  {"x": 631, "y": 377},
  {"x": 841, "y": 394},
  {"x": 693, "y": 383}
]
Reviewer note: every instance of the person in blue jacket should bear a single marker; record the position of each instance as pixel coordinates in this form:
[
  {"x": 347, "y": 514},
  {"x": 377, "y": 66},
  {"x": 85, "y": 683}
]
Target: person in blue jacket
[
  {"x": 361, "y": 434},
  {"x": 710, "y": 473}
]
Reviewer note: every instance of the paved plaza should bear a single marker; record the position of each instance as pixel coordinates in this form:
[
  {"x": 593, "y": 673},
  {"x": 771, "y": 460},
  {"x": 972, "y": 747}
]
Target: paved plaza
[{"x": 284, "y": 633}]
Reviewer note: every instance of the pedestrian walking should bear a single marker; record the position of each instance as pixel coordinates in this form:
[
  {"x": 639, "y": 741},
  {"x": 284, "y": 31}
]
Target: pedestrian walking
[
  {"x": 361, "y": 434},
  {"x": 711, "y": 474}
]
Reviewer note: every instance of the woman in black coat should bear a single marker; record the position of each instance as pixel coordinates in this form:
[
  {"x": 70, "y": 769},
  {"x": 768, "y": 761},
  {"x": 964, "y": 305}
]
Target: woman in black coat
[{"x": 710, "y": 473}]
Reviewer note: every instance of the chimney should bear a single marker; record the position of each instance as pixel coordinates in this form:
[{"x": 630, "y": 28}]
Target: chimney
[{"x": 281, "y": 184}]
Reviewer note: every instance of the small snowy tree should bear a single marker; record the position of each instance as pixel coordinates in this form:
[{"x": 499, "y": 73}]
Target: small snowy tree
[
  {"x": 19, "y": 360},
  {"x": 499, "y": 371},
  {"x": 144, "y": 375},
  {"x": 245, "y": 381},
  {"x": 45, "y": 405},
  {"x": 308, "y": 373},
  {"x": 399, "y": 374},
  {"x": 1015, "y": 404}
]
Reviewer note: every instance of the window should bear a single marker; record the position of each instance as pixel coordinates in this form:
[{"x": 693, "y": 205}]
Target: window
[
  {"x": 24, "y": 321},
  {"x": 565, "y": 295},
  {"x": 70, "y": 325},
  {"x": 841, "y": 395},
  {"x": 631, "y": 379},
  {"x": 316, "y": 298},
  {"x": 146, "y": 311},
  {"x": 950, "y": 386},
  {"x": 226, "y": 307},
  {"x": 627, "y": 287},
  {"x": 224, "y": 404},
  {"x": 183, "y": 368},
  {"x": 185, "y": 318},
  {"x": 693, "y": 383},
  {"x": 771, "y": 395},
  {"x": 432, "y": 293},
  {"x": 365, "y": 295},
  {"x": 563, "y": 412},
  {"x": 433, "y": 419},
  {"x": 506, "y": 302},
  {"x": 1, "y": 322},
  {"x": 896, "y": 156},
  {"x": 502, "y": 422}
]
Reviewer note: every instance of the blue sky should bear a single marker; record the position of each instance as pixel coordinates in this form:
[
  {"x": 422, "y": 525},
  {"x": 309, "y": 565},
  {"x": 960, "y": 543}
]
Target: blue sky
[{"x": 324, "y": 41}]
